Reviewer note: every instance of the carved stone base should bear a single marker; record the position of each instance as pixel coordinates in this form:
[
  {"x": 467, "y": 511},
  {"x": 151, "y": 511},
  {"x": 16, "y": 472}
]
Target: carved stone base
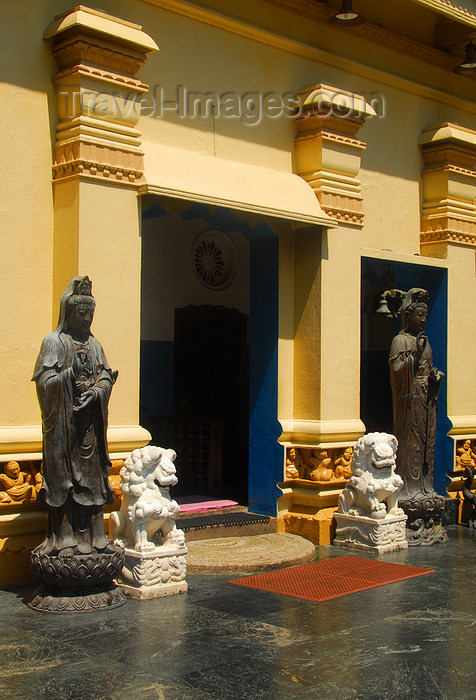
[
  {"x": 78, "y": 583},
  {"x": 52, "y": 600},
  {"x": 160, "y": 572},
  {"x": 369, "y": 534},
  {"x": 424, "y": 525}
]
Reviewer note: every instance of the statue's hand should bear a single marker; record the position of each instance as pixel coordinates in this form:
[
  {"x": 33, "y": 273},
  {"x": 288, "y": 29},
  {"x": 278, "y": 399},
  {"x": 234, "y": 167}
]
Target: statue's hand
[
  {"x": 86, "y": 399},
  {"x": 436, "y": 375}
]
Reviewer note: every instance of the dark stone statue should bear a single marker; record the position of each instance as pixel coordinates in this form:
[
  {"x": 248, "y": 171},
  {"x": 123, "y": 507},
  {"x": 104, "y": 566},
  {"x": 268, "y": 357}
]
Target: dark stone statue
[
  {"x": 74, "y": 383},
  {"x": 415, "y": 387},
  {"x": 469, "y": 496}
]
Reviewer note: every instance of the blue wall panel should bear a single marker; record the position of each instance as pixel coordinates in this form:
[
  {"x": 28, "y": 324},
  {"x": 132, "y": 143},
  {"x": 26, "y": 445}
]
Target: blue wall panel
[
  {"x": 266, "y": 454},
  {"x": 435, "y": 281}
]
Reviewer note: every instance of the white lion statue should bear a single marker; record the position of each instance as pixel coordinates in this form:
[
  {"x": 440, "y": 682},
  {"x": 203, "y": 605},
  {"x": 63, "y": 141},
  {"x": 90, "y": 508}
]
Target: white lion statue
[
  {"x": 373, "y": 479},
  {"x": 146, "y": 504}
]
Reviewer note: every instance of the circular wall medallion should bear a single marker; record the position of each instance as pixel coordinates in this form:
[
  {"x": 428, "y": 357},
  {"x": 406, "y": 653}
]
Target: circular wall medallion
[{"x": 214, "y": 259}]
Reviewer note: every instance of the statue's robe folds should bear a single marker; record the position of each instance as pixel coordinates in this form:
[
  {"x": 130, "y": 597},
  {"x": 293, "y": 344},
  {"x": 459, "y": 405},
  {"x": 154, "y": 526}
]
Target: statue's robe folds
[
  {"x": 75, "y": 456},
  {"x": 414, "y": 414}
]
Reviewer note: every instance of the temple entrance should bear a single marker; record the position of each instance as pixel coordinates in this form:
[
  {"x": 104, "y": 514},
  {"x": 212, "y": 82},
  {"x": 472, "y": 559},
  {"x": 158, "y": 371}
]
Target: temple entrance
[
  {"x": 209, "y": 350},
  {"x": 211, "y": 401}
]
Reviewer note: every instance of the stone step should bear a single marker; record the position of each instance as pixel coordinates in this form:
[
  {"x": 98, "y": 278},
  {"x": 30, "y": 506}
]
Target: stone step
[{"x": 229, "y": 522}]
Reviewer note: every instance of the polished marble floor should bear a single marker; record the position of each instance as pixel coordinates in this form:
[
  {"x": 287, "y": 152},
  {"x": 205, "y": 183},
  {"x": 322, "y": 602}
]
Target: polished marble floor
[{"x": 414, "y": 639}]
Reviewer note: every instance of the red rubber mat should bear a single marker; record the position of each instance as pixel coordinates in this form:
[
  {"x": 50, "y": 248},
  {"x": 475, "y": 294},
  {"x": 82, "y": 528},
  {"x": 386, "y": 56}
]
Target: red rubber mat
[{"x": 330, "y": 578}]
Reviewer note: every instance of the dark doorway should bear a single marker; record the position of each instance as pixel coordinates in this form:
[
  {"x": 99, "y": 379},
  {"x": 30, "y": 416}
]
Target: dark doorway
[{"x": 211, "y": 370}]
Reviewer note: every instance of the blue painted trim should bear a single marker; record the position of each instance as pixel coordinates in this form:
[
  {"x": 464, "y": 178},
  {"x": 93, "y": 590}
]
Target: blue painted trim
[{"x": 266, "y": 454}]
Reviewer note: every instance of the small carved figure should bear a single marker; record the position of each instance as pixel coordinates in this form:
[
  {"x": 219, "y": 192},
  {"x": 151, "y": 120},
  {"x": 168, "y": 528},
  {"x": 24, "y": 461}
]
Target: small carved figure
[
  {"x": 374, "y": 480},
  {"x": 15, "y": 485},
  {"x": 343, "y": 464},
  {"x": 293, "y": 463},
  {"x": 146, "y": 505},
  {"x": 319, "y": 465},
  {"x": 465, "y": 456}
]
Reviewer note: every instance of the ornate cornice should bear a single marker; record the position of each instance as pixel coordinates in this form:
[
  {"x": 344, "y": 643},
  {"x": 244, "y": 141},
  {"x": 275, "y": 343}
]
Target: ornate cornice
[
  {"x": 448, "y": 229},
  {"x": 99, "y": 161},
  {"x": 70, "y": 76},
  {"x": 332, "y": 137},
  {"x": 343, "y": 208},
  {"x": 84, "y": 49},
  {"x": 455, "y": 11},
  {"x": 386, "y": 37}
]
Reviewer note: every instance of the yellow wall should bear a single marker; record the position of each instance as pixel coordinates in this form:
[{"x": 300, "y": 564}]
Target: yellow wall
[
  {"x": 241, "y": 60},
  {"x": 91, "y": 228}
]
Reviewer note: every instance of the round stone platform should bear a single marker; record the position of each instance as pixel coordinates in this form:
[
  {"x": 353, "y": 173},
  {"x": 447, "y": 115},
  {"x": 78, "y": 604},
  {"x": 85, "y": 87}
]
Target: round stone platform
[{"x": 248, "y": 553}]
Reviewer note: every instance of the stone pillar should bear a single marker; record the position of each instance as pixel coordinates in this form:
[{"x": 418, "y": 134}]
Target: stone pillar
[
  {"x": 97, "y": 168},
  {"x": 326, "y": 405},
  {"x": 448, "y": 231}
]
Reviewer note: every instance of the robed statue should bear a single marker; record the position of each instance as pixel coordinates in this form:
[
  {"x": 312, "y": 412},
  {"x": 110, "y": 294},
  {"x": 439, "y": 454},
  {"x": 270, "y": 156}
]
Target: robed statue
[
  {"x": 74, "y": 382},
  {"x": 416, "y": 384}
]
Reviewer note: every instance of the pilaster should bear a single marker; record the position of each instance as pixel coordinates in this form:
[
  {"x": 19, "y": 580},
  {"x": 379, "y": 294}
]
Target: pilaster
[{"x": 97, "y": 168}]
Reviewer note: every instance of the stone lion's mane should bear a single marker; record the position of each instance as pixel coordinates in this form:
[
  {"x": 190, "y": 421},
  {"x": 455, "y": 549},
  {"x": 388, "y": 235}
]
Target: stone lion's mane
[
  {"x": 140, "y": 465},
  {"x": 362, "y": 454}
]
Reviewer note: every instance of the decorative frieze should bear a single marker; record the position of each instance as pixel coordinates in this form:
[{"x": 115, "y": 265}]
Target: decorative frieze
[
  {"x": 316, "y": 464},
  {"x": 314, "y": 478},
  {"x": 448, "y": 185},
  {"x": 327, "y": 151},
  {"x": 98, "y": 97}
]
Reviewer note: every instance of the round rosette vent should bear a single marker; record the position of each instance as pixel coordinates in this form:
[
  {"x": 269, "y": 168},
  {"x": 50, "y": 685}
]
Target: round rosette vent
[{"x": 214, "y": 259}]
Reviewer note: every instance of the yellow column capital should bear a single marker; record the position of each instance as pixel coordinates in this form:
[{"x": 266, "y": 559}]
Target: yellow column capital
[
  {"x": 328, "y": 152},
  {"x": 449, "y": 187}
]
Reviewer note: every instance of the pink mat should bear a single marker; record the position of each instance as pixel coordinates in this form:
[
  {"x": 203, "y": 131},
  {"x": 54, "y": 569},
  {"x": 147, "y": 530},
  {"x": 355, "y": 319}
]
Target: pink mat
[{"x": 194, "y": 504}]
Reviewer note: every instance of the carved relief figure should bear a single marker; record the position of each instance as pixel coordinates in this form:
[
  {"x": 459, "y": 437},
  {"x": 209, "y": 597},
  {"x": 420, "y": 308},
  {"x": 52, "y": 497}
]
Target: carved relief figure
[
  {"x": 415, "y": 387},
  {"x": 319, "y": 466},
  {"x": 146, "y": 505},
  {"x": 343, "y": 464},
  {"x": 372, "y": 490},
  {"x": 294, "y": 464},
  {"x": 15, "y": 485},
  {"x": 74, "y": 383},
  {"x": 465, "y": 456}
]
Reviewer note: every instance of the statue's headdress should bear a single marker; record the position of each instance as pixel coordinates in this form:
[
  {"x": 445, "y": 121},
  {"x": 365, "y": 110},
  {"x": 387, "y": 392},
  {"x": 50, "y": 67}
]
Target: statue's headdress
[
  {"x": 415, "y": 297},
  {"x": 78, "y": 291}
]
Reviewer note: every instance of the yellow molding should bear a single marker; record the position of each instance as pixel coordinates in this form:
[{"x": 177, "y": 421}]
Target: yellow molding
[
  {"x": 25, "y": 442},
  {"x": 98, "y": 22},
  {"x": 322, "y": 95},
  {"x": 463, "y": 426},
  {"x": 321, "y": 432},
  {"x": 447, "y": 131}
]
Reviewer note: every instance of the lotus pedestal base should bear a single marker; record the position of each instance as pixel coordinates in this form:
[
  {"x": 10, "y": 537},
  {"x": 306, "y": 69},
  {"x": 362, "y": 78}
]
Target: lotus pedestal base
[{"x": 78, "y": 583}]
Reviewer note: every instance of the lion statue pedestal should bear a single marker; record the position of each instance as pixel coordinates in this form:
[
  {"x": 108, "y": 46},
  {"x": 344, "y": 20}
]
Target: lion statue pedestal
[
  {"x": 155, "y": 565},
  {"x": 368, "y": 517}
]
